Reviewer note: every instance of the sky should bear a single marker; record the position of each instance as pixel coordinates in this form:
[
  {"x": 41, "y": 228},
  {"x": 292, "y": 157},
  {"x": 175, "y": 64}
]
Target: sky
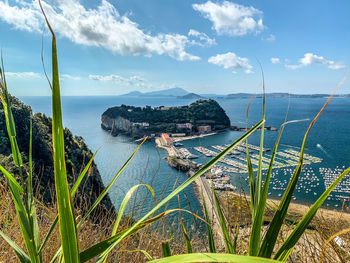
[{"x": 207, "y": 47}]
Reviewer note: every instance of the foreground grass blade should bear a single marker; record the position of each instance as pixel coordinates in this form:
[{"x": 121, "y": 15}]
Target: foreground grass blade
[
  {"x": 83, "y": 173},
  {"x": 259, "y": 173},
  {"x": 254, "y": 241},
  {"x": 270, "y": 238},
  {"x": 252, "y": 182},
  {"x": 288, "y": 245},
  {"x": 10, "y": 123},
  {"x": 224, "y": 229},
  {"x": 46, "y": 238},
  {"x": 67, "y": 222},
  {"x": 209, "y": 229},
  {"x": 24, "y": 216},
  {"x": 126, "y": 200},
  {"x": 97, "y": 249},
  {"x": 212, "y": 257},
  {"x": 166, "y": 249},
  {"x": 30, "y": 195},
  {"x": 72, "y": 193},
  {"x": 185, "y": 184},
  {"x": 27, "y": 231},
  {"x": 99, "y": 198},
  {"x": 22, "y": 256},
  {"x": 105, "y": 191},
  {"x": 235, "y": 239},
  {"x": 187, "y": 238},
  {"x": 11, "y": 179},
  {"x": 121, "y": 211}
]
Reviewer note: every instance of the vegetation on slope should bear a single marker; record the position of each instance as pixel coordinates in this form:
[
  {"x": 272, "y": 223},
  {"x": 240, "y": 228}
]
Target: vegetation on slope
[
  {"x": 202, "y": 110},
  {"x": 77, "y": 154}
]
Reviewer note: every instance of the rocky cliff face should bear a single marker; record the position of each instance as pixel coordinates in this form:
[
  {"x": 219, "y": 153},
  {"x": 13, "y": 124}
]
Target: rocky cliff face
[
  {"x": 77, "y": 156},
  {"x": 117, "y": 124}
]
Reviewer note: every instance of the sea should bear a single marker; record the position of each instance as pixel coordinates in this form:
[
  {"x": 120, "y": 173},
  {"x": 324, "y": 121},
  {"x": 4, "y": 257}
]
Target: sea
[{"x": 329, "y": 139}]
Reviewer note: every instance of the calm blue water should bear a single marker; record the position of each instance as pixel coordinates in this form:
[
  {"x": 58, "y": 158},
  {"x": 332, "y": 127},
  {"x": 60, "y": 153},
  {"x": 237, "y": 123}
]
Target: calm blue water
[{"x": 331, "y": 133}]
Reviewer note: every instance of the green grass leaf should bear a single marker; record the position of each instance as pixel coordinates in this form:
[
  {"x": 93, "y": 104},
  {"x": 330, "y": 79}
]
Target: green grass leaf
[
  {"x": 224, "y": 228},
  {"x": 187, "y": 238},
  {"x": 252, "y": 182},
  {"x": 270, "y": 238},
  {"x": 258, "y": 218},
  {"x": 121, "y": 211},
  {"x": 67, "y": 224},
  {"x": 209, "y": 229},
  {"x": 288, "y": 245},
  {"x": 105, "y": 191},
  {"x": 11, "y": 179},
  {"x": 102, "y": 246},
  {"x": 185, "y": 184},
  {"x": 166, "y": 249},
  {"x": 83, "y": 173},
  {"x": 22, "y": 256}
]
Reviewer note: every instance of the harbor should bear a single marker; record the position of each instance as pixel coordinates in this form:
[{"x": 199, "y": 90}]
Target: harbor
[
  {"x": 233, "y": 164},
  {"x": 223, "y": 176}
]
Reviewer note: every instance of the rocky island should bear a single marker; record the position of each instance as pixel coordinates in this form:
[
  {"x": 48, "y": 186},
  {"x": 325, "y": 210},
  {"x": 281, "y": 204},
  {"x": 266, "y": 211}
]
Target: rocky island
[{"x": 202, "y": 116}]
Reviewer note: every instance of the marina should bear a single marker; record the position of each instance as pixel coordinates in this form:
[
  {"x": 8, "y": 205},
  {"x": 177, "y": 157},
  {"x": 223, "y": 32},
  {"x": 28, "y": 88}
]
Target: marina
[
  {"x": 287, "y": 158},
  {"x": 186, "y": 154},
  {"x": 224, "y": 175}
]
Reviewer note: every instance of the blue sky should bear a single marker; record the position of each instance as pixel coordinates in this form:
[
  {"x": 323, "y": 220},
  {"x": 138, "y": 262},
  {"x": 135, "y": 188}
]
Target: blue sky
[{"x": 114, "y": 47}]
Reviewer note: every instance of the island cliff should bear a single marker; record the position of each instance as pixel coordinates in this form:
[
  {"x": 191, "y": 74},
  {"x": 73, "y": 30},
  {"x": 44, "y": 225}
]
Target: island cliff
[
  {"x": 199, "y": 117},
  {"x": 77, "y": 156}
]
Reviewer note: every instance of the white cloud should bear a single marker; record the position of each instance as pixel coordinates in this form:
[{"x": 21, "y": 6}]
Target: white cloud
[
  {"x": 203, "y": 39},
  {"x": 130, "y": 81},
  {"x": 232, "y": 61},
  {"x": 231, "y": 18},
  {"x": 275, "y": 60},
  {"x": 312, "y": 59},
  {"x": 23, "y": 75},
  {"x": 270, "y": 38},
  {"x": 23, "y": 18},
  {"x": 67, "y": 76},
  {"x": 100, "y": 27}
]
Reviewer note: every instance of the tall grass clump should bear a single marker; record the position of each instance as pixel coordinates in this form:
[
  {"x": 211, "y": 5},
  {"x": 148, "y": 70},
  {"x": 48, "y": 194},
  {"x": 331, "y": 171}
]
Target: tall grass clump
[
  {"x": 70, "y": 226},
  {"x": 263, "y": 249}
]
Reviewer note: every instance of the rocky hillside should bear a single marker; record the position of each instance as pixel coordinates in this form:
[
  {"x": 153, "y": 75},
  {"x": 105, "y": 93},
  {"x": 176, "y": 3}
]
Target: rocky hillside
[{"x": 77, "y": 156}]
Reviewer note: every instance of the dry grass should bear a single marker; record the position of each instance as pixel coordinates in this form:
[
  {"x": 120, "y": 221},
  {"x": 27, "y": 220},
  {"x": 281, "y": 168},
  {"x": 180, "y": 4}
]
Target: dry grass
[
  {"x": 308, "y": 249},
  {"x": 89, "y": 233}
]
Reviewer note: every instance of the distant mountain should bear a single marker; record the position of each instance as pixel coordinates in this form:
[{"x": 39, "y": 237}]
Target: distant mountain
[
  {"x": 190, "y": 96},
  {"x": 174, "y": 92},
  {"x": 133, "y": 94}
]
